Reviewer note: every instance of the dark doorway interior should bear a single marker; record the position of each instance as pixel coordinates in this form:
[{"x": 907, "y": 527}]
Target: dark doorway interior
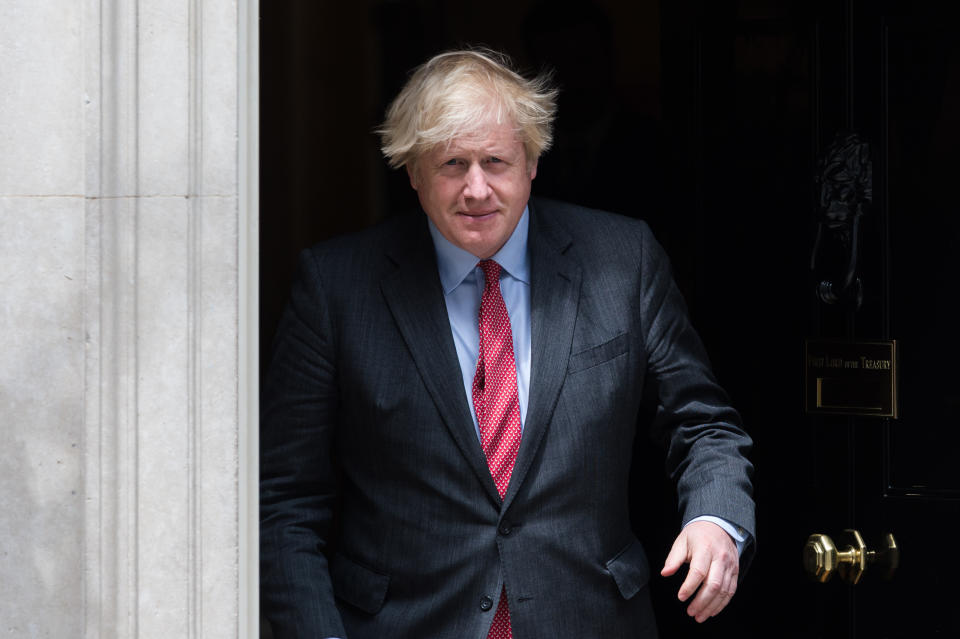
[{"x": 706, "y": 119}]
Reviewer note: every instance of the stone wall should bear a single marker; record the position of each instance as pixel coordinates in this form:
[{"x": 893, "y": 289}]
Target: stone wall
[{"x": 127, "y": 226}]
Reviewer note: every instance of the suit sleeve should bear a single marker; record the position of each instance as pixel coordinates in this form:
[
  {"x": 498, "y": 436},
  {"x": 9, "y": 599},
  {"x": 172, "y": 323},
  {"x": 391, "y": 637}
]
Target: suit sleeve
[
  {"x": 298, "y": 476},
  {"x": 706, "y": 444}
]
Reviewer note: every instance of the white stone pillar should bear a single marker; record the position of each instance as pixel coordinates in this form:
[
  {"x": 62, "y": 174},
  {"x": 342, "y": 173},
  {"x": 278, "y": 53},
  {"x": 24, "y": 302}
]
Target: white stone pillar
[{"x": 127, "y": 318}]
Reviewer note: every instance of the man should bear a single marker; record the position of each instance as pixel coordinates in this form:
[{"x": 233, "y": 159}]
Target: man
[{"x": 449, "y": 416}]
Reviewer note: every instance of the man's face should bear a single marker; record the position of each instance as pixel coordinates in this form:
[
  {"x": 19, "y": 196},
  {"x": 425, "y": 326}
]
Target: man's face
[{"x": 475, "y": 189}]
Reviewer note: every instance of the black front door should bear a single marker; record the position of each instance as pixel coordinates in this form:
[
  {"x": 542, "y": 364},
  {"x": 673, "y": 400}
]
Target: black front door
[
  {"x": 906, "y": 100},
  {"x": 755, "y": 93}
]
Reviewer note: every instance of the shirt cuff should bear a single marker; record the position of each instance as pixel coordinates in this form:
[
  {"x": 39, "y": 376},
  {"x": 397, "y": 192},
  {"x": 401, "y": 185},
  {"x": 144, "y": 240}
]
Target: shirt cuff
[{"x": 738, "y": 534}]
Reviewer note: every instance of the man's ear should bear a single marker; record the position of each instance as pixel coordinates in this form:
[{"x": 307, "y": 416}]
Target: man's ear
[
  {"x": 532, "y": 169},
  {"x": 412, "y": 174}
]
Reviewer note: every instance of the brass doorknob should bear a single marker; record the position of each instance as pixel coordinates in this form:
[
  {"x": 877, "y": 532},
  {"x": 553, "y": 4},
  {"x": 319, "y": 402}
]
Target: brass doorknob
[{"x": 822, "y": 558}]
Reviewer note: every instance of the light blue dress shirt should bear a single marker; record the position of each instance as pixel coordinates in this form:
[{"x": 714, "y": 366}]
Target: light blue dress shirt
[{"x": 462, "y": 281}]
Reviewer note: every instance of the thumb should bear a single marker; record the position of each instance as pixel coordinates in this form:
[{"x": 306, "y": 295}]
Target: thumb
[{"x": 676, "y": 557}]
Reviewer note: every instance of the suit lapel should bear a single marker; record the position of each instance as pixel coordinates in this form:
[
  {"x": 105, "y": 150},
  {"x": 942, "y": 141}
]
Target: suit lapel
[
  {"x": 415, "y": 298},
  {"x": 554, "y": 298}
]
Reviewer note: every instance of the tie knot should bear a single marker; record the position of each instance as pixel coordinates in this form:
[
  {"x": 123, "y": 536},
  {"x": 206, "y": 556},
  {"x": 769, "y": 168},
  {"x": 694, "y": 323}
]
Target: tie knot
[{"x": 491, "y": 271}]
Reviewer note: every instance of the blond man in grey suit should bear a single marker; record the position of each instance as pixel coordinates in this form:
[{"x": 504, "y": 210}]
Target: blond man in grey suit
[{"x": 383, "y": 514}]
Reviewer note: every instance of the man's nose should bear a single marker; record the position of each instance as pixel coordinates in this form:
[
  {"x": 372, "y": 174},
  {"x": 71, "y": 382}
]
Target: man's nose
[{"x": 476, "y": 186}]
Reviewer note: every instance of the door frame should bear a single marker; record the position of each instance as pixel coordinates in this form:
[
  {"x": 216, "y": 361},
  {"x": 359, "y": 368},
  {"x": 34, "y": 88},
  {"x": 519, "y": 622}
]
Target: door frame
[{"x": 248, "y": 72}]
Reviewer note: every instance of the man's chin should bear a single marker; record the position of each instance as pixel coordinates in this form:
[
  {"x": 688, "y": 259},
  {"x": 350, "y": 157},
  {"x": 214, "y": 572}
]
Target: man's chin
[{"x": 481, "y": 248}]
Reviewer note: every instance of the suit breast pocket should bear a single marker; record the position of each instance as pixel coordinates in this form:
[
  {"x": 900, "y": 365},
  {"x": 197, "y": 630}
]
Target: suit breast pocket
[{"x": 600, "y": 354}]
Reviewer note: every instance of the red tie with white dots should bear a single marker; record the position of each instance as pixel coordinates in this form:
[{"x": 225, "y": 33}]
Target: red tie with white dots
[{"x": 497, "y": 404}]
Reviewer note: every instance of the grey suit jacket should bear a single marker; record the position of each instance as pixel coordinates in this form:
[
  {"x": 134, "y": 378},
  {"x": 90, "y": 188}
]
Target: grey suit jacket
[{"x": 379, "y": 518}]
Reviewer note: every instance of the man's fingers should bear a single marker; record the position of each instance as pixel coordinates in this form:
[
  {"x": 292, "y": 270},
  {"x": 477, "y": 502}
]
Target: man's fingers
[
  {"x": 705, "y": 601},
  {"x": 719, "y": 602},
  {"x": 715, "y": 598},
  {"x": 714, "y": 567},
  {"x": 699, "y": 569},
  {"x": 716, "y": 590},
  {"x": 676, "y": 557}
]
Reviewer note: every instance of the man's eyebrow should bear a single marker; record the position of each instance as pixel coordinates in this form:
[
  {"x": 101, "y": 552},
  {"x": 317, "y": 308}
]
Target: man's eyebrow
[{"x": 499, "y": 152}]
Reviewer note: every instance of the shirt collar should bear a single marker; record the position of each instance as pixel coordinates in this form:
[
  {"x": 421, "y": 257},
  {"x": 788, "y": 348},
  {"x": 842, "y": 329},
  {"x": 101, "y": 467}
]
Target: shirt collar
[{"x": 455, "y": 264}]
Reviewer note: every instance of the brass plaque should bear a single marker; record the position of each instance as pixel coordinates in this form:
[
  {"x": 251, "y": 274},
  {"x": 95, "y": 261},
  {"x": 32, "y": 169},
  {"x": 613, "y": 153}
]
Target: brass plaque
[{"x": 851, "y": 378}]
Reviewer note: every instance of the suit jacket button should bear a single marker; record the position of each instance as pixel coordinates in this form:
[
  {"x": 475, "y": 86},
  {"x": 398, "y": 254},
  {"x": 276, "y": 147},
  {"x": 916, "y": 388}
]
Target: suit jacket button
[
  {"x": 505, "y": 529},
  {"x": 486, "y": 603}
]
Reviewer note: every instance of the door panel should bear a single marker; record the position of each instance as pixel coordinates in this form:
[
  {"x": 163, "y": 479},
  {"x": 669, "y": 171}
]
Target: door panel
[
  {"x": 922, "y": 126},
  {"x": 917, "y": 496},
  {"x": 769, "y": 85}
]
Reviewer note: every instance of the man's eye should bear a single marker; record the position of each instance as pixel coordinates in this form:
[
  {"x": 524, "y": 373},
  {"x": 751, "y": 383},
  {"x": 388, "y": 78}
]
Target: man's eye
[
  {"x": 451, "y": 162},
  {"x": 495, "y": 160}
]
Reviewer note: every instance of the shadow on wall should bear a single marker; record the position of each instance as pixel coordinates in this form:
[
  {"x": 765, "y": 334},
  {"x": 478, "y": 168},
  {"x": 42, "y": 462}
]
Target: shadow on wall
[{"x": 41, "y": 554}]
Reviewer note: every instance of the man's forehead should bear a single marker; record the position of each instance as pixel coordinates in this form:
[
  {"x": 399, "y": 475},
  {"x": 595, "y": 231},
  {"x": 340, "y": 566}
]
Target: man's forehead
[{"x": 498, "y": 137}]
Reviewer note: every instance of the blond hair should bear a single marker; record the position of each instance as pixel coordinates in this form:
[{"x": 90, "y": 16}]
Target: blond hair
[{"x": 456, "y": 94}]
